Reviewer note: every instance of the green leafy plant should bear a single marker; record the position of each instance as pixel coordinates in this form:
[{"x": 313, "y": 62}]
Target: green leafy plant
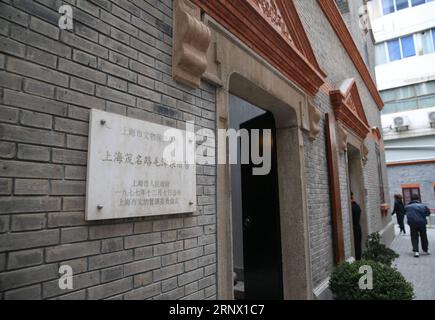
[
  {"x": 377, "y": 251},
  {"x": 388, "y": 283}
]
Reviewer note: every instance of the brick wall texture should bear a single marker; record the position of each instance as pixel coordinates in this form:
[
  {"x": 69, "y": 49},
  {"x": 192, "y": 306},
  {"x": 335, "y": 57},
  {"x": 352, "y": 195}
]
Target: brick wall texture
[
  {"x": 333, "y": 58},
  {"x": 118, "y": 59},
  {"x": 423, "y": 174}
]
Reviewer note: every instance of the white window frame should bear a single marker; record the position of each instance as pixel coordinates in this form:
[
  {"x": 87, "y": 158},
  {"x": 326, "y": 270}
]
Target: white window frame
[
  {"x": 431, "y": 36},
  {"x": 400, "y": 47},
  {"x": 417, "y": 46},
  {"x": 413, "y": 41},
  {"x": 387, "y": 56},
  {"x": 381, "y": 7},
  {"x": 387, "y": 53}
]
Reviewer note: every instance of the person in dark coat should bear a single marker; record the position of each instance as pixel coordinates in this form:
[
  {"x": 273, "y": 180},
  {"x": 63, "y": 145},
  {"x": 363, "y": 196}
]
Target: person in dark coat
[
  {"x": 399, "y": 210},
  {"x": 357, "y": 233},
  {"x": 416, "y": 214}
]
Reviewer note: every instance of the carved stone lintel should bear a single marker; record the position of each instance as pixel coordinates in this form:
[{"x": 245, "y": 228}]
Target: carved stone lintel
[
  {"x": 270, "y": 11},
  {"x": 190, "y": 43},
  {"x": 348, "y": 108},
  {"x": 314, "y": 116},
  {"x": 342, "y": 136}
]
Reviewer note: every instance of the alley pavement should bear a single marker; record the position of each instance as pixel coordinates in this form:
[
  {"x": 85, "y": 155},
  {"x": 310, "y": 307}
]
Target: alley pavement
[{"x": 419, "y": 271}]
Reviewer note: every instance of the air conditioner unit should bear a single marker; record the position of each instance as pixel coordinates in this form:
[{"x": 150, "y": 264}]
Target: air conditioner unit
[
  {"x": 432, "y": 119},
  {"x": 401, "y": 123}
]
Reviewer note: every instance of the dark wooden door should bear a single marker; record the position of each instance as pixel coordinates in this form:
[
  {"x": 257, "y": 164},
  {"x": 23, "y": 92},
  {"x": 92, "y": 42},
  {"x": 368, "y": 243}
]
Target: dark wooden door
[
  {"x": 409, "y": 192},
  {"x": 261, "y": 223}
]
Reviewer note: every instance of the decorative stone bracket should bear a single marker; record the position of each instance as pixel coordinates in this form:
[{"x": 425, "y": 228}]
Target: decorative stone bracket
[
  {"x": 364, "y": 153},
  {"x": 376, "y": 134},
  {"x": 190, "y": 43},
  {"x": 342, "y": 136},
  {"x": 314, "y": 118}
]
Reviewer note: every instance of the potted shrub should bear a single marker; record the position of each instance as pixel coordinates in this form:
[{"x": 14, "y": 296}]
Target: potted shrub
[
  {"x": 376, "y": 251},
  {"x": 388, "y": 283}
]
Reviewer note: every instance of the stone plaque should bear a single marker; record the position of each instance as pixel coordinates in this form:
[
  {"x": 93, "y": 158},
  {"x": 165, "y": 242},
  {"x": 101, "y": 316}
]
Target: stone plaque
[{"x": 130, "y": 173}]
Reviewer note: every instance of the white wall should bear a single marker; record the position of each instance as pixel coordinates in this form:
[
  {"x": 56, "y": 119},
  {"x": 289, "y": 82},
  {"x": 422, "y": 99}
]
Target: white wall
[
  {"x": 418, "y": 124},
  {"x": 418, "y": 143},
  {"x": 410, "y": 149},
  {"x": 401, "y": 22},
  {"x": 405, "y": 72}
]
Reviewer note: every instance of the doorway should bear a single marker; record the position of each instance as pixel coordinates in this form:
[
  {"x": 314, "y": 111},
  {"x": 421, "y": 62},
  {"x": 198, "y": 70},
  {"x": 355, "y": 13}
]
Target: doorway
[
  {"x": 408, "y": 191},
  {"x": 256, "y": 232},
  {"x": 355, "y": 183},
  {"x": 253, "y": 82}
]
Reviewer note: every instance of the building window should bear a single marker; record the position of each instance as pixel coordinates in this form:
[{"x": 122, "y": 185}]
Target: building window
[
  {"x": 401, "y": 4},
  {"x": 394, "y": 50},
  {"x": 408, "y": 47},
  {"x": 343, "y": 6},
  {"x": 390, "y": 6},
  {"x": 426, "y": 42},
  {"x": 416, "y": 96},
  {"x": 420, "y": 43},
  {"x": 417, "y": 2},
  {"x": 401, "y": 48},
  {"x": 381, "y": 177},
  {"x": 380, "y": 55},
  {"x": 408, "y": 192}
]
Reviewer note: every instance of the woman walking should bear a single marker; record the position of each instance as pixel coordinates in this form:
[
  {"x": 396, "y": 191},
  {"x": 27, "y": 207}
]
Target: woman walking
[{"x": 399, "y": 210}]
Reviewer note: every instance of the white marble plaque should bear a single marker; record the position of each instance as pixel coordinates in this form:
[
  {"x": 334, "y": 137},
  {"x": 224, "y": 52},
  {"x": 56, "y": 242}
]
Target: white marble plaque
[{"x": 129, "y": 173}]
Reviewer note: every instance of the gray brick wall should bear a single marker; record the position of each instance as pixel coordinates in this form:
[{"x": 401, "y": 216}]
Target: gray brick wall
[
  {"x": 343, "y": 6},
  {"x": 333, "y": 58},
  {"x": 118, "y": 59},
  {"x": 423, "y": 174},
  {"x": 319, "y": 203},
  {"x": 352, "y": 13}
]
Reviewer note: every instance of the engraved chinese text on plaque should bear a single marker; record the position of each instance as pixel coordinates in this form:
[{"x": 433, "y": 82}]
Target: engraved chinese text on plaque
[{"x": 128, "y": 173}]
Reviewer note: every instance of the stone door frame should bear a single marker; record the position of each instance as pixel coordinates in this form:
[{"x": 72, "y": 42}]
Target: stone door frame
[
  {"x": 356, "y": 142},
  {"x": 236, "y": 69}
]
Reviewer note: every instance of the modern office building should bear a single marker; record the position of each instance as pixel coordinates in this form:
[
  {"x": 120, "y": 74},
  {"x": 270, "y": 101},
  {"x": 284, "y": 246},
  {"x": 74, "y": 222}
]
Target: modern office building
[{"x": 404, "y": 32}]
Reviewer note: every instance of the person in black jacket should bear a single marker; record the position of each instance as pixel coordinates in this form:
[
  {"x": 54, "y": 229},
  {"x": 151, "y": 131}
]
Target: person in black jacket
[
  {"x": 399, "y": 210},
  {"x": 357, "y": 233}
]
